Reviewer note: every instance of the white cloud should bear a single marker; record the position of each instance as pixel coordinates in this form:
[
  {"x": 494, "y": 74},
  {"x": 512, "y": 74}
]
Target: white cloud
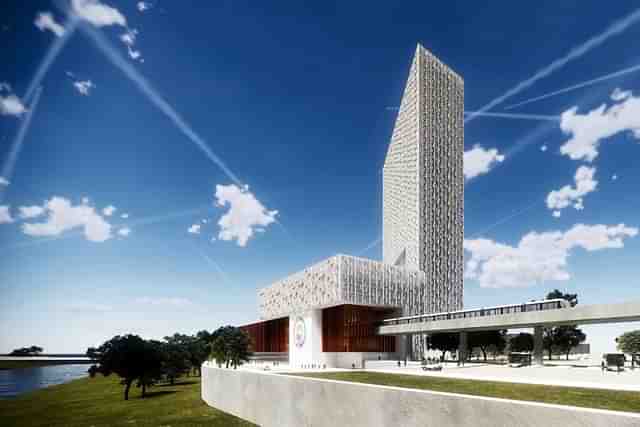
[
  {"x": 97, "y": 13},
  {"x": 63, "y": 216},
  {"x": 129, "y": 39},
  {"x": 143, "y": 6},
  {"x": 614, "y": 177},
  {"x": 538, "y": 257},
  {"x": 11, "y": 105},
  {"x": 4, "y": 182},
  {"x": 133, "y": 54},
  {"x": 124, "y": 231},
  {"x": 204, "y": 221},
  {"x": 109, "y": 210},
  {"x": 84, "y": 87},
  {"x": 543, "y": 148},
  {"x": 245, "y": 216},
  {"x": 588, "y": 130},
  {"x": 89, "y": 307},
  {"x": 567, "y": 195},
  {"x": 5, "y": 215},
  {"x": 478, "y": 161},
  {"x": 620, "y": 95},
  {"x": 165, "y": 302},
  {"x": 27, "y": 212},
  {"x": 124, "y": 215},
  {"x": 5, "y": 87},
  {"x": 194, "y": 229},
  {"x": 45, "y": 21},
  {"x": 557, "y": 214}
]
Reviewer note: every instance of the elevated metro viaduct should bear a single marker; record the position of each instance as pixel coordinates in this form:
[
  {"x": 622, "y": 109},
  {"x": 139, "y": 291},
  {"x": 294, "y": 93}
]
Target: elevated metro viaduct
[{"x": 471, "y": 321}]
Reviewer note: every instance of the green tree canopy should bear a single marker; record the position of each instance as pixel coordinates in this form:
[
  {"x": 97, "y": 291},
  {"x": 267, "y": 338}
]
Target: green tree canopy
[
  {"x": 444, "y": 342},
  {"x": 629, "y": 342},
  {"x": 522, "y": 342},
  {"x": 131, "y": 358},
  {"x": 34, "y": 350},
  {"x": 556, "y": 294},
  {"x": 562, "y": 338},
  {"x": 197, "y": 346},
  {"x": 488, "y": 339},
  {"x": 230, "y": 346},
  {"x": 175, "y": 361}
]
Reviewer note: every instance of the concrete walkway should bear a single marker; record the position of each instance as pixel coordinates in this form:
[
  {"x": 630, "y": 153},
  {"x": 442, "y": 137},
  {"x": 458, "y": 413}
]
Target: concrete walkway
[{"x": 568, "y": 376}]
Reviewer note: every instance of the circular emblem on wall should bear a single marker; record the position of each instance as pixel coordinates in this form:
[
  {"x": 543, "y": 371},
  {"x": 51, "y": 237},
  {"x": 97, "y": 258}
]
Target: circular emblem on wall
[{"x": 299, "y": 332}]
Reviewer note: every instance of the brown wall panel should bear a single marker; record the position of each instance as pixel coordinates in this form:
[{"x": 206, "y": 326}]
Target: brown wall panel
[
  {"x": 269, "y": 336},
  {"x": 351, "y": 328}
]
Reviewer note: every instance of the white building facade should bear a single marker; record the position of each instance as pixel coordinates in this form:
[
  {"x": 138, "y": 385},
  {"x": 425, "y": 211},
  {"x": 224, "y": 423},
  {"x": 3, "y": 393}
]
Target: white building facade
[{"x": 328, "y": 313}]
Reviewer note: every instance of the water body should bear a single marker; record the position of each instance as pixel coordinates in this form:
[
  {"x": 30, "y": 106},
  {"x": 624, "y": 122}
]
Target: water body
[{"x": 14, "y": 382}]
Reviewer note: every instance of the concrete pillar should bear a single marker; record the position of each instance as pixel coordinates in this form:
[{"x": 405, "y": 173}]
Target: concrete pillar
[
  {"x": 408, "y": 347},
  {"x": 538, "y": 348},
  {"x": 462, "y": 347}
]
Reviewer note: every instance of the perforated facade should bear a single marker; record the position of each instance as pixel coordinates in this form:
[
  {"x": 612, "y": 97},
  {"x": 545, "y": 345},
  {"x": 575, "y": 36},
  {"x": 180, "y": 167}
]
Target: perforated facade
[
  {"x": 423, "y": 182},
  {"x": 344, "y": 279}
]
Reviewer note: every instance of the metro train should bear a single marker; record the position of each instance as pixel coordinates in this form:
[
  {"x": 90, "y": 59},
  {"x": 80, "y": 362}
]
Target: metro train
[{"x": 549, "y": 304}]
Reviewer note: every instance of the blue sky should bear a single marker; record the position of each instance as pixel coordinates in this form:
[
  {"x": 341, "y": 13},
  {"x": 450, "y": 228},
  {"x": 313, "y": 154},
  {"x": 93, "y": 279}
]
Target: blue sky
[{"x": 298, "y": 101}]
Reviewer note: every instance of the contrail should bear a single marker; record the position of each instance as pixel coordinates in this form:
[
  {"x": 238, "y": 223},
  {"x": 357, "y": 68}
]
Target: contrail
[
  {"x": 576, "y": 86},
  {"x": 514, "y": 116},
  {"x": 156, "y": 99},
  {"x": 507, "y": 218},
  {"x": 614, "y": 29},
  {"x": 369, "y": 246},
  {"x": 16, "y": 144},
  {"x": 167, "y": 217},
  {"x": 52, "y": 54},
  {"x": 215, "y": 265}
]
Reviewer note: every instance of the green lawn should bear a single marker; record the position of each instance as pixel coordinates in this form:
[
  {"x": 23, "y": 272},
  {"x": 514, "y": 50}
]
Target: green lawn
[
  {"x": 591, "y": 398},
  {"x": 99, "y": 402}
]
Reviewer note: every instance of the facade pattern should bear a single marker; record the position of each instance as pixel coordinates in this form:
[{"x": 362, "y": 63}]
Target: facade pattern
[
  {"x": 342, "y": 280},
  {"x": 400, "y": 214},
  {"x": 423, "y": 182},
  {"x": 441, "y": 180}
]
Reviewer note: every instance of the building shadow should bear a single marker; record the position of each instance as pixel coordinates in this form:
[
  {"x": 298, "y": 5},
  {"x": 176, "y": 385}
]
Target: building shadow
[
  {"x": 158, "y": 393},
  {"x": 177, "y": 384}
]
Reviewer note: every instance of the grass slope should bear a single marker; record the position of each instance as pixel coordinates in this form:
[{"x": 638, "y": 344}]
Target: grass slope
[
  {"x": 627, "y": 401},
  {"x": 99, "y": 402}
]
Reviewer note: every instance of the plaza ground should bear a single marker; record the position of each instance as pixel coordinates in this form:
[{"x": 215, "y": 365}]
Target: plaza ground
[
  {"x": 557, "y": 373},
  {"x": 573, "y": 373},
  {"x": 99, "y": 402},
  {"x": 624, "y": 401}
]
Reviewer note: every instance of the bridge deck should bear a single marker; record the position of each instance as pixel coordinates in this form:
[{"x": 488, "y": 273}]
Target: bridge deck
[{"x": 578, "y": 315}]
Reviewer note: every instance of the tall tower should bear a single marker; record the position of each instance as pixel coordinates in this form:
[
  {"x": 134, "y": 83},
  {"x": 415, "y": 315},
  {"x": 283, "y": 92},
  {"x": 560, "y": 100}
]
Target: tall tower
[{"x": 423, "y": 182}]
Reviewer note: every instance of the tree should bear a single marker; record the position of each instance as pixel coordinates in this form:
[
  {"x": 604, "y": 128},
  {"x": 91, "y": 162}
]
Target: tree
[
  {"x": 239, "y": 347},
  {"x": 567, "y": 337},
  {"x": 230, "y": 346},
  {"x": 175, "y": 361},
  {"x": 200, "y": 349},
  {"x": 445, "y": 341},
  {"x": 629, "y": 342},
  {"x": 563, "y": 338},
  {"x": 131, "y": 358},
  {"x": 487, "y": 339},
  {"x": 556, "y": 294},
  {"x": 34, "y": 350},
  {"x": 197, "y": 347},
  {"x": 523, "y": 342}
]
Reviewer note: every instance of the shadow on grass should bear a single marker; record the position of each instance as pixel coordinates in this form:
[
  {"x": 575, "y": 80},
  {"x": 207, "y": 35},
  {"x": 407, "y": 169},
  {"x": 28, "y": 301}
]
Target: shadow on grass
[
  {"x": 152, "y": 394},
  {"x": 180, "y": 383}
]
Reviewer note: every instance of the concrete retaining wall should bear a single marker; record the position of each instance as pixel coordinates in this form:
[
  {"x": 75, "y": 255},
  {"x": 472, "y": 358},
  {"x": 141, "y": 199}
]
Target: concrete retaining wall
[{"x": 270, "y": 399}]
